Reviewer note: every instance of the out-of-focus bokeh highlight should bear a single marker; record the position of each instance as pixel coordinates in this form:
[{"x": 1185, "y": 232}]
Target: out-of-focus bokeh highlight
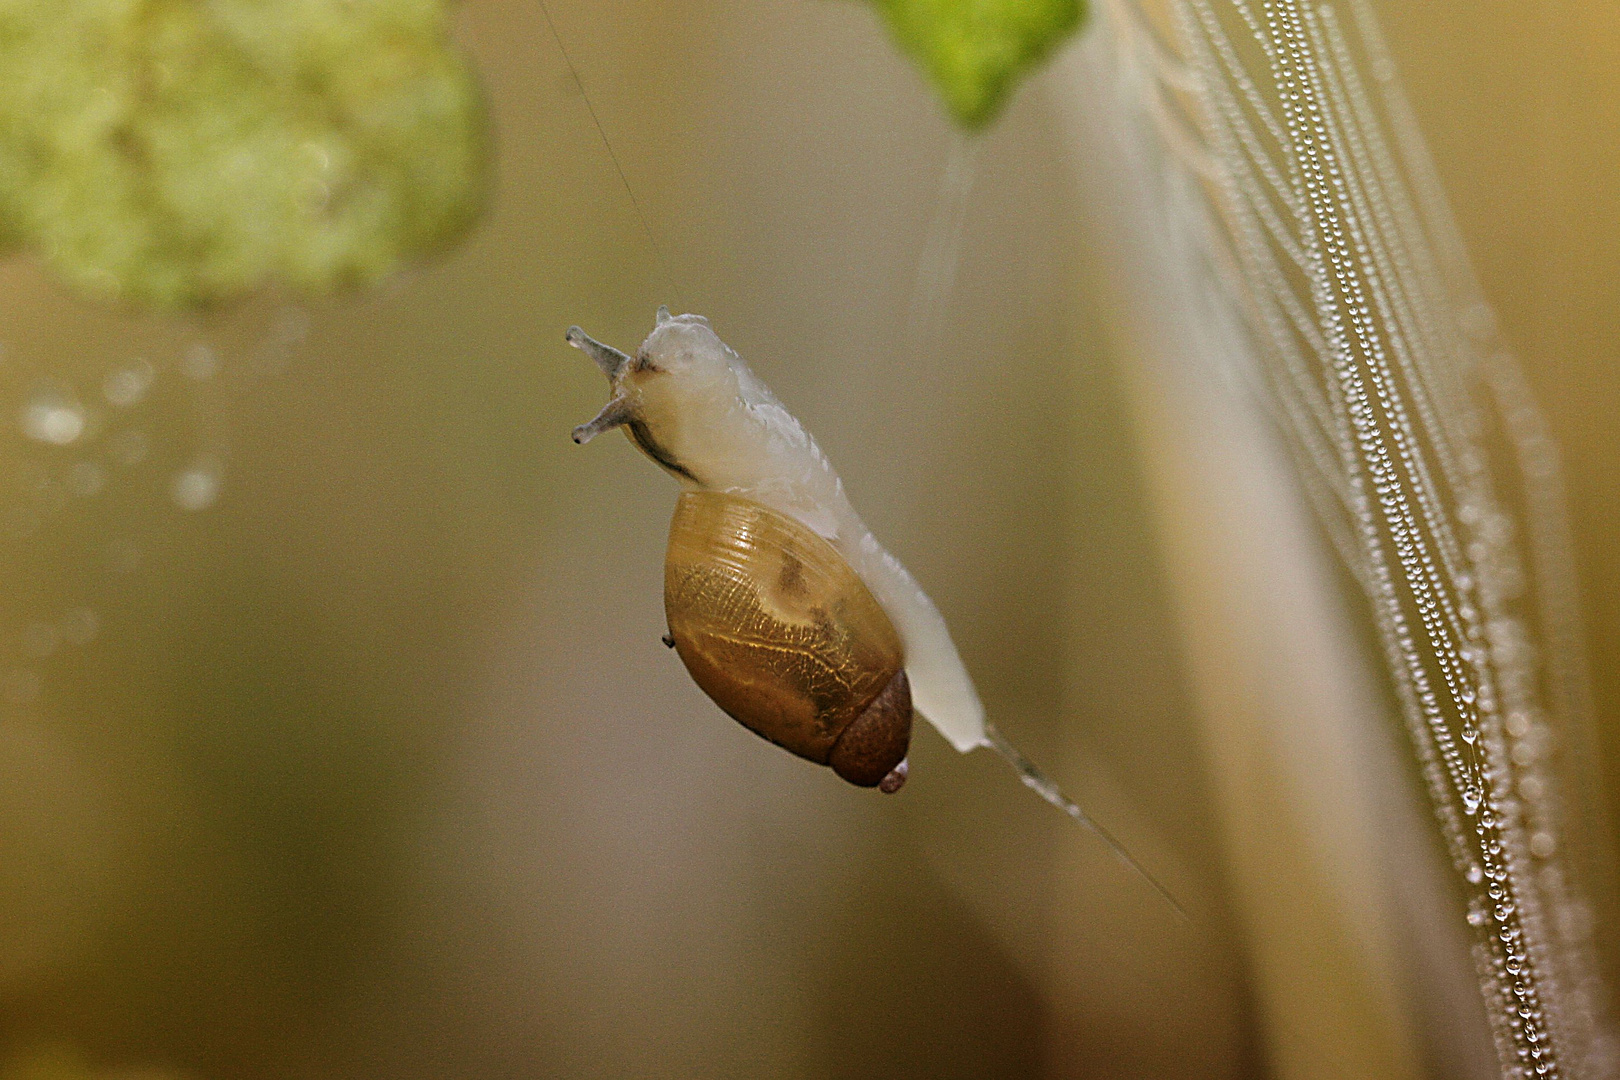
[{"x": 336, "y": 737}]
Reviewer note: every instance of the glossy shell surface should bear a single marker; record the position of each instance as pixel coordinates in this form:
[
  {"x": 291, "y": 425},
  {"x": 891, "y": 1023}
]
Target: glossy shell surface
[{"x": 773, "y": 624}]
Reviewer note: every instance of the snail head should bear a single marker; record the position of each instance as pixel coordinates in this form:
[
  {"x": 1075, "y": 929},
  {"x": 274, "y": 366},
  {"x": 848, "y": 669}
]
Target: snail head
[{"x": 678, "y": 380}]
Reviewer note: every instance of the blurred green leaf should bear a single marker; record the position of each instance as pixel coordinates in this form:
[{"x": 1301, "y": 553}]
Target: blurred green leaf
[
  {"x": 177, "y": 152},
  {"x": 976, "y": 50}
]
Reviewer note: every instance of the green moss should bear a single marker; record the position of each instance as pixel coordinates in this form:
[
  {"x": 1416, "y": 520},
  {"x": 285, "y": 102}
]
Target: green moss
[
  {"x": 177, "y": 152},
  {"x": 975, "y": 51}
]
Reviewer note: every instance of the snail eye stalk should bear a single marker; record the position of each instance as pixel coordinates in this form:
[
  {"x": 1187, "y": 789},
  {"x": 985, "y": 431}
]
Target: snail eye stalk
[{"x": 612, "y": 362}]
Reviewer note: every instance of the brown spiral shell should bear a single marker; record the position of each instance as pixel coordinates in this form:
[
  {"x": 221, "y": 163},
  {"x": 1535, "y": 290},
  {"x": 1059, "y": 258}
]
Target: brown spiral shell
[{"x": 772, "y": 624}]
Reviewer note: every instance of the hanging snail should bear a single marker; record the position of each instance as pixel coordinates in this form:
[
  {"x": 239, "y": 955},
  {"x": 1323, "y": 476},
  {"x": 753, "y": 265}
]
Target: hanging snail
[
  {"x": 781, "y": 603},
  {"x": 784, "y": 608}
]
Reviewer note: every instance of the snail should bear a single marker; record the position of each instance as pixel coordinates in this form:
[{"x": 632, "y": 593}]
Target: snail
[{"x": 781, "y": 604}]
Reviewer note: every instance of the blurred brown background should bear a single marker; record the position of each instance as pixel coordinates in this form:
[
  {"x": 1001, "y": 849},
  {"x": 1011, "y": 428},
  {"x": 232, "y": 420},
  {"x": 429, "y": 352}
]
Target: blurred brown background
[{"x": 370, "y": 763}]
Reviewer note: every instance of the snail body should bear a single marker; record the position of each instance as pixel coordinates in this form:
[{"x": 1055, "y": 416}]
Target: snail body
[{"x": 784, "y": 608}]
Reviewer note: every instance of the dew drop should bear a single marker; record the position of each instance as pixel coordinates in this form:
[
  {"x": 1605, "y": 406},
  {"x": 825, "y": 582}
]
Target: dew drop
[
  {"x": 52, "y": 417},
  {"x": 125, "y": 388},
  {"x": 1542, "y": 845},
  {"x": 196, "y": 488},
  {"x": 1475, "y": 874}
]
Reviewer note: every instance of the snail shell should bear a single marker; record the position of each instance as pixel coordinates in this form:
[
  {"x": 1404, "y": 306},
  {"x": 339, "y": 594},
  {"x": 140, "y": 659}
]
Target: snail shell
[{"x": 772, "y": 624}]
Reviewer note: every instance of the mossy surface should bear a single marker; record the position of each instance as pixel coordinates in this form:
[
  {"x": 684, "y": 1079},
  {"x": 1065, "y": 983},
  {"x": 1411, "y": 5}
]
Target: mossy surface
[
  {"x": 975, "y": 51},
  {"x": 178, "y": 152}
]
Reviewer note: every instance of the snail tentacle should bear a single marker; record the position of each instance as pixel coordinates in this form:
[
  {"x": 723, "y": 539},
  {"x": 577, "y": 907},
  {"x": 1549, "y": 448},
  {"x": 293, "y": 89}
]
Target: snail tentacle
[
  {"x": 614, "y": 414},
  {"x": 610, "y": 360}
]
